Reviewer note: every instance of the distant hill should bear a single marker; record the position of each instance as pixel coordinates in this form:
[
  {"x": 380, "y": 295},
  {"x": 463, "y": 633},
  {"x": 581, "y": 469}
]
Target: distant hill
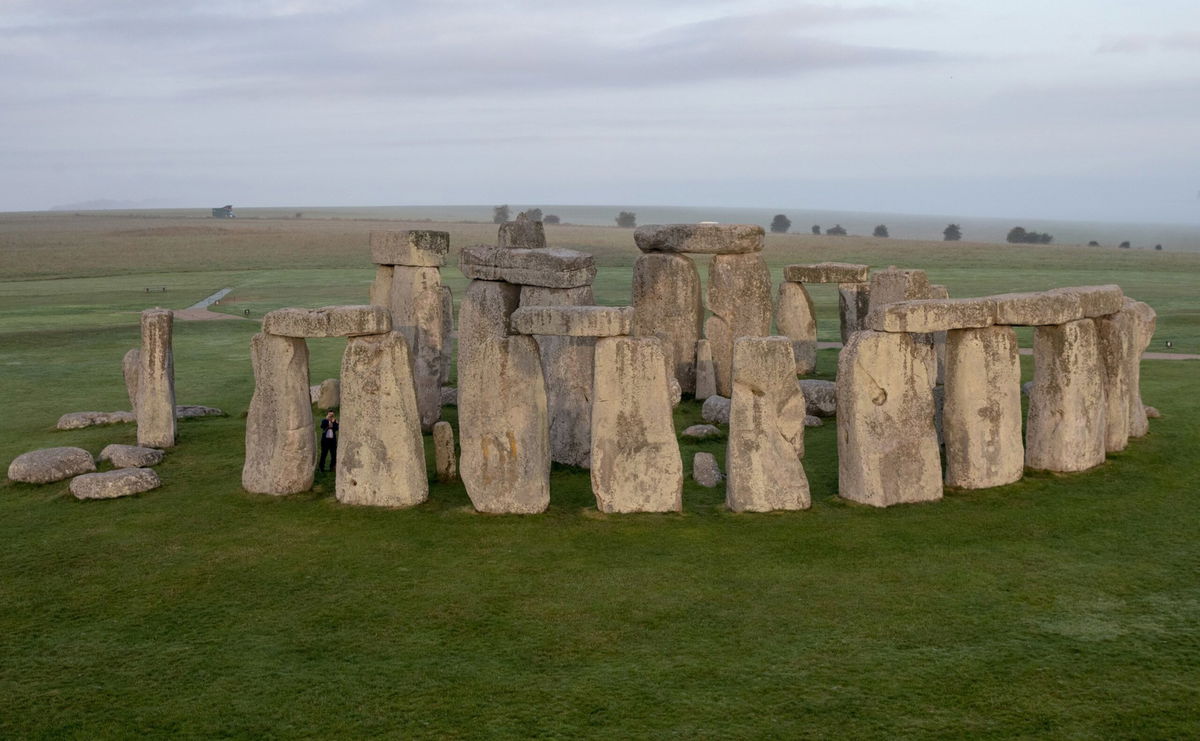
[{"x": 107, "y": 204}]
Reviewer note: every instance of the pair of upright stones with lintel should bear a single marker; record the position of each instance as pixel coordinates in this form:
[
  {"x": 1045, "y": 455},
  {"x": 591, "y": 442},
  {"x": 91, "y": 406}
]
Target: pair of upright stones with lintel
[
  {"x": 796, "y": 318},
  {"x": 381, "y": 457},
  {"x": 667, "y": 303},
  {"x": 1085, "y": 400},
  {"x": 149, "y": 372}
]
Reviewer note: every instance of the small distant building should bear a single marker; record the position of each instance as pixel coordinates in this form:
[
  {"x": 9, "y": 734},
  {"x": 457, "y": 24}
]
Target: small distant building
[{"x": 224, "y": 212}]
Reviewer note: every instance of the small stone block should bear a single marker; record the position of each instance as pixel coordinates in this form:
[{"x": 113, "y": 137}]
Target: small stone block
[
  {"x": 113, "y": 484},
  {"x": 419, "y": 248},
  {"x": 131, "y": 456},
  {"x": 826, "y": 272},
  {"x": 932, "y": 315},
  {"x": 552, "y": 267},
  {"x": 329, "y": 321},
  {"x": 573, "y": 321},
  {"x": 702, "y": 239},
  {"x": 48, "y": 465}
]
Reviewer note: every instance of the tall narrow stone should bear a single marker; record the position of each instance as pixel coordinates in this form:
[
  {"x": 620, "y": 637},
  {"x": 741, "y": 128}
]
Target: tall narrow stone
[
  {"x": 1115, "y": 334},
  {"x": 568, "y": 367},
  {"x": 1065, "y": 427},
  {"x": 1144, "y": 321},
  {"x": 156, "y": 381},
  {"x": 380, "y": 292},
  {"x": 739, "y": 296},
  {"x": 447, "y": 333},
  {"x": 854, "y": 303},
  {"x": 445, "y": 461},
  {"x": 503, "y": 426},
  {"x": 280, "y": 438},
  {"x": 887, "y": 445},
  {"x": 131, "y": 369},
  {"x": 706, "y": 375},
  {"x": 416, "y": 305},
  {"x": 666, "y": 301},
  {"x": 796, "y": 318},
  {"x": 892, "y": 285},
  {"x": 636, "y": 464},
  {"x": 766, "y": 429},
  {"x": 381, "y": 457},
  {"x": 485, "y": 311},
  {"x": 982, "y": 411},
  {"x": 521, "y": 233}
]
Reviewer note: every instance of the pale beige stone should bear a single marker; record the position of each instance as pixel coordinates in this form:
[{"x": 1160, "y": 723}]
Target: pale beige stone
[
  {"x": 447, "y": 333},
  {"x": 503, "y": 427},
  {"x": 892, "y": 285},
  {"x": 932, "y": 315},
  {"x": 112, "y": 484},
  {"x": 766, "y": 429},
  {"x": 1153, "y": 413},
  {"x": 48, "y": 465},
  {"x": 666, "y": 302},
  {"x": 706, "y": 375},
  {"x": 416, "y": 309},
  {"x": 414, "y": 248},
  {"x": 131, "y": 456},
  {"x": 444, "y": 458},
  {"x": 156, "y": 381},
  {"x": 636, "y": 464},
  {"x": 1115, "y": 335},
  {"x": 982, "y": 410},
  {"x": 573, "y": 321},
  {"x": 280, "y": 439},
  {"x": 381, "y": 457},
  {"x": 854, "y": 301},
  {"x": 706, "y": 471},
  {"x": 328, "y": 321},
  {"x": 708, "y": 239},
  {"x": 1065, "y": 427},
  {"x": 1144, "y": 322},
  {"x": 329, "y": 394},
  {"x": 1057, "y": 306},
  {"x": 887, "y": 445},
  {"x": 131, "y": 369},
  {"x": 522, "y": 233},
  {"x": 79, "y": 420},
  {"x": 485, "y": 311},
  {"x": 739, "y": 296},
  {"x": 700, "y": 432},
  {"x": 827, "y": 272},
  {"x": 551, "y": 267},
  {"x": 797, "y": 319},
  {"x": 380, "y": 293}
]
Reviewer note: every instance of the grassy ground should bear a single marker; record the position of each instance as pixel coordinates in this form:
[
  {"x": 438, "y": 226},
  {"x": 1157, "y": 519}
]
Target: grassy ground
[{"x": 1061, "y": 606}]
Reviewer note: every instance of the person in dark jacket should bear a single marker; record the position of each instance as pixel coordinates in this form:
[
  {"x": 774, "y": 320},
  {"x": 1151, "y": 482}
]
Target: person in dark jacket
[{"x": 329, "y": 433}]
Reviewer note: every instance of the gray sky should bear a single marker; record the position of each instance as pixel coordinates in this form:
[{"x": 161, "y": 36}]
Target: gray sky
[{"x": 1085, "y": 109}]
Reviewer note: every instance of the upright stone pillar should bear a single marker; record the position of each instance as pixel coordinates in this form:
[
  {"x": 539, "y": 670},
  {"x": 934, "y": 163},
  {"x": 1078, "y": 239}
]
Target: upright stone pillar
[
  {"x": 666, "y": 300},
  {"x": 1115, "y": 335},
  {"x": 1144, "y": 320},
  {"x": 381, "y": 457},
  {"x": 766, "y": 429},
  {"x": 706, "y": 375},
  {"x": 982, "y": 410},
  {"x": 484, "y": 312},
  {"x": 156, "y": 381},
  {"x": 887, "y": 445},
  {"x": 739, "y": 296},
  {"x": 447, "y": 333},
  {"x": 131, "y": 369},
  {"x": 280, "y": 440},
  {"x": 521, "y": 233},
  {"x": 892, "y": 285},
  {"x": 1065, "y": 428},
  {"x": 854, "y": 303},
  {"x": 797, "y": 319}
]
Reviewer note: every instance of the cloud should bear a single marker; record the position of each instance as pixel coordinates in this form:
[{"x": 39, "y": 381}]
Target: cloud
[{"x": 1143, "y": 43}]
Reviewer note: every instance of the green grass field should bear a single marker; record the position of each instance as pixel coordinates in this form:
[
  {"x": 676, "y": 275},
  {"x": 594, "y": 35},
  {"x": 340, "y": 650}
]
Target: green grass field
[{"x": 1061, "y": 606}]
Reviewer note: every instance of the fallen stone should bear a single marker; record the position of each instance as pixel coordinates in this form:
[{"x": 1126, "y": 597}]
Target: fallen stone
[
  {"x": 700, "y": 432},
  {"x": 705, "y": 239},
  {"x": 715, "y": 410},
  {"x": 79, "y": 420},
  {"x": 131, "y": 369},
  {"x": 739, "y": 296},
  {"x": 189, "y": 411},
  {"x": 329, "y": 394},
  {"x": 820, "y": 397},
  {"x": 706, "y": 375},
  {"x": 892, "y": 285},
  {"x": 1057, "y": 306},
  {"x": 156, "y": 381},
  {"x": 415, "y": 302},
  {"x": 1065, "y": 427},
  {"x": 932, "y": 315},
  {"x": 981, "y": 416},
  {"x": 1144, "y": 321},
  {"x": 445, "y": 461},
  {"x": 811, "y": 421},
  {"x": 573, "y": 321},
  {"x": 522, "y": 233},
  {"x": 666, "y": 302},
  {"x": 449, "y": 396},
  {"x": 1153, "y": 413},
  {"x": 827, "y": 272},
  {"x": 280, "y": 439},
  {"x": 854, "y": 301},
  {"x": 796, "y": 318},
  {"x": 50, "y": 464},
  {"x": 551, "y": 267},
  {"x": 706, "y": 471},
  {"x": 415, "y": 248},
  {"x": 112, "y": 484},
  {"x": 131, "y": 456},
  {"x": 329, "y": 321}
]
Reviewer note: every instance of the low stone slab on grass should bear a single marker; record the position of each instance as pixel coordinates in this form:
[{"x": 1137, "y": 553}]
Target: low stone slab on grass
[
  {"x": 79, "y": 420},
  {"x": 415, "y": 248},
  {"x": 188, "y": 411},
  {"x": 551, "y": 267},
  {"x": 701, "y": 432},
  {"x": 48, "y": 465},
  {"x": 328, "y": 321},
  {"x": 131, "y": 456},
  {"x": 573, "y": 321},
  {"x": 827, "y": 272},
  {"x": 113, "y": 484},
  {"x": 933, "y": 315},
  {"x": 702, "y": 239}
]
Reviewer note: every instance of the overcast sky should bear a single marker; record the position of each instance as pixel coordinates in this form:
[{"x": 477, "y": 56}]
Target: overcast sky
[{"x": 1085, "y": 109}]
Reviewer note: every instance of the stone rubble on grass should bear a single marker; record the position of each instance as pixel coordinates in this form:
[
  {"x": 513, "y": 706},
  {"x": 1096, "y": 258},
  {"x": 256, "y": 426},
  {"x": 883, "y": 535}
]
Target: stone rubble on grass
[
  {"x": 715, "y": 409},
  {"x": 112, "y": 484},
  {"x": 820, "y": 396},
  {"x": 131, "y": 456},
  {"x": 48, "y": 465},
  {"x": 188, "y": 411},
  {"x": 1153, "y": 413},
  {"x": 706, "y": 471},
  {"x": 811, "y": 421},
  {"x": 700, "y": 432},
  {"x": 79, "y": 420}
]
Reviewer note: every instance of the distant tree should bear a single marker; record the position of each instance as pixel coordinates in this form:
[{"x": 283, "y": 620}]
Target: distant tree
[
  {"x": 952, "y": 233},
  {"x": 880, "y": 231},
  {"x": 1124, "y": 245},
  {"x": 1158, "y": 247},
  {"x": 551, "y": 219},
  {"x": 1018, "y": 235},
  {"x": 836, "y": 230},
  {"x": 500, "y": 214},
  {"x": 534, "y": 214},
  {"x": 816, "y": 228},
  {"x": 780, "y": 224},
  {"x": 1093, "y": 243},
  {"x": 627, "y": 219}
]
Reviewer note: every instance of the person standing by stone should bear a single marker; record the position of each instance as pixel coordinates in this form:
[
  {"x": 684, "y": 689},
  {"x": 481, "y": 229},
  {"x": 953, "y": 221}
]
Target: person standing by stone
[{"x": 329, "y": 437}]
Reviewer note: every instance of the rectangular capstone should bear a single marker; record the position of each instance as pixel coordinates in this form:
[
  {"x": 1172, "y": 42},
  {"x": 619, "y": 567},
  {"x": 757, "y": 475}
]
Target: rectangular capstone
[
  {"x": 826, "y": 272},
  {"x": 419, "y": 248},
  {"x": 574, "y": 321},
  {"x": 328, "y": 321},
  {"x": 704, "y": 239},
  {"x": 932, "y": 315},
  {"x": 1057, "y": 306},
  {"x": 552, "y": 267}
]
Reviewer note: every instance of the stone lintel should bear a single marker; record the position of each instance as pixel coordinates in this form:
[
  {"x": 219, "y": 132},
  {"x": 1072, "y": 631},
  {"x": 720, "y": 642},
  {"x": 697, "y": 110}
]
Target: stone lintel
[
  {"x": 932, "y": 315},
  {"x": 573, "y": 321},
  {"x": 420, "y": 248},
  {"x": 552, "y": 267},
  {"x": 827, "y": 272},
  {"x": 704, "y": 239},
  {"x": 328, "y": 321}
]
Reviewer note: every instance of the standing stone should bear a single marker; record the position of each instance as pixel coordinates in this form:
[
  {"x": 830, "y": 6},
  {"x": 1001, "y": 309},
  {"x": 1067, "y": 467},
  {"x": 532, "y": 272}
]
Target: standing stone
[
  {"x": 156, "y": 381},
  {"x": 447, "y": 333},
  {"x": 567, "y": 366},
  {"x": 939, "y": 337},
  {"x": 716, "y": 410},
  {"x": 887, "y": 445},
  {"x": 131, "y": 368},
  {"x": 522, "y": 233},
  {"x": 280, "y": 444},
  {"x": 381, "y": 457},
  {"x": 503, "y": 425},
  {"x": 1065, "y": 428},
  {"x": 766, "y": 429},
  {"x": 381, "y": 288},
  {"x": 981, "y": 416},
  {"x": 854, "y": 303},
  {"x": 329, "y": 394},
  {"x": 445, "y": 461},
  {"x": 706, "y": 375},
  {"x": 892, "y": 285},
  {"x": 706, "y": 471},
  {"x": 636, "y": 464},
  {"x": 416, "y": 306},
  {"x": 666, "y": 301},
  {"x": 796, "y": 318},
  {"x": 1115, "y": 335},
  {"x": 485, "y": 312},
  {"x": 739, "y": 296},
  {"x": 1144, "y": 320}
]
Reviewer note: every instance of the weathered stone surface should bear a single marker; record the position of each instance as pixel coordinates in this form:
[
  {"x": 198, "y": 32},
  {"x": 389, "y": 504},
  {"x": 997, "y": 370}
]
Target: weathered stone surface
[
  {"x": 1144, "y": 321},
  {"x": 380, "y": 293},
  {"x": 636, "y": 464},
  {"x": 485, "y": 311},
  {"x": 188, "y": 411},
  {"x": 739, "y": 296},
  {"x": 551, "y": 267},
  {"x": 156, "y": 381},
  {"x": 1097, "y": 301},
  {"x": 131, "y": 369},
  {"x": 112, "y": 484},
  {"x": 381, "y": 457},
  {"x": 827, "y": 272},
  {"x": 766, "y": 429},
  {"x": 79, "y": 420},
  {"x": 447, "y": 333},
  {"x": 666, "y": 302},
  {"x": 314, "y": 392},
  {"x": 797, "y": 319},
  {"x": 674, "y": 390},
  {"x": 706, "y": 375},
  {"x": 700, "y": 432},
  {"x": 932, "y": 315},
  {"x": 1065, "y": 427},
  {"x": 1153, "y": 413},
  {"x": 707, "y": 239},
  {"x": 892, "y": 285},
  {"x": 131, "y": 456},
  {"x": 1115, "y": 336},
  {"x": 444, "y": 458},
  {"x": 280, "y": 439},
  {"x": 568, "y": 365},
  {"x": 573, "y": 321},
  {"x": 415, "y": 302},
  {"x": 819, "y": 396},
  {"x": 853, "y": 306},
  {"x": 504, "y": 427},
  {"x": 981, "y": 417},
  {"x": 811, "y": 421},
  {"x": 706, "y": 471},
  {"x": 939, "y": 336},
  {"x": 715, "y": 410},
  {"x": 522, "y": 233},
  {"x": 50, "y": 464},
  {"x": 328, "y": 321},
  {"x": 449, "y": 396},
  {"x": 414, "y": 248},
  {"x": 887, "y": 445},
  {"x": 1057, "y": 306},
  {"x": 329, "y": 394}
]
